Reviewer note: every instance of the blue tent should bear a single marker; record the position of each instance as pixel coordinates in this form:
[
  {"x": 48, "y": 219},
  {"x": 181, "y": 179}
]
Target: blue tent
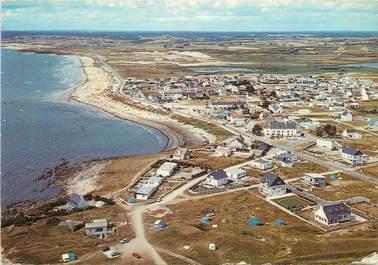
[
  {"x": 255, "y": 222},
  {"x": 280, "y": 222},
  {"x": 160, "y": 224},
  {"x": 333, "y": 177},
  {"x": 130, "y": 200},
  {"x": 205, "y": 219}
]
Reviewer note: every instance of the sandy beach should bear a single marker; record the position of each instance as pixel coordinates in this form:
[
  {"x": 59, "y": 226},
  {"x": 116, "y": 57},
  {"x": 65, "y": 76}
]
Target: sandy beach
[{"x": 95, "y": 92}]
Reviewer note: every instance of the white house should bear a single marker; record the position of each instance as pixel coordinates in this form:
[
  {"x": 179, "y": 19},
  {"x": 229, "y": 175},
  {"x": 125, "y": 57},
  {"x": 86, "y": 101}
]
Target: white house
[
  {"x": 372, "y": 125},
  {"x": 145, "y": 191},
  {"x": 181, "y": 154},
  {"x": 346, "y": 116},
  {"x": 236, "y": 173},
  {"x": 353, "y": 156},
  {"x": 261, "y": 164},
  {"x": 351, "y": 134},
  {"x": 77, "y": 201},
  {"x": 286, "y": 159},
  {"x": 315, "y": 179},
  {"x": 325, "y": 144},
  {"x": 332, "y": 214},
  {"x": 236, "y": 142},
  {"x": 275, "y": 108},
  {"x": 166, "y": 169},
  {"x": 281, "y": 129},
  {"x": 223, "y": 151},
  {"x": 272, "y": 185},
  {"x": 99, "y": 228},
  {"x": 217, "y": 178}
]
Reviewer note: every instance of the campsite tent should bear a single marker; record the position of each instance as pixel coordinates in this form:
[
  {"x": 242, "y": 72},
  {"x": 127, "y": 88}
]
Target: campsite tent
[
  {"x": 280, "y": 222},
  {"x": 130, "y": 200},
  {"x": 255, "y": 222},
  {"x": 205, "y": 219},
  {"x": 160, "y": 224},
  {"x": 69, "y": 256}
]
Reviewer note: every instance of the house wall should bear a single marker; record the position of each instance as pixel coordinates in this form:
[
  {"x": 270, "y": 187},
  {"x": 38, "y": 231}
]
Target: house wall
[
  {"x": 274, "y": 191},
  {"x": 281, "y": 132},
  {"x": 356, "y": 160},
  {"x": 216, "y": 182}
]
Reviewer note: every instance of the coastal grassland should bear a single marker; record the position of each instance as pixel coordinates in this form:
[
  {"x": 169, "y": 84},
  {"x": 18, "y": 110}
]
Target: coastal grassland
[
  {"x": 372, "y": 171},
  {"x": 42, "y": 243},
  {"x": 299, "y": 169},
  {"x": 237, "y": 241},
  {"x": 220, "y": 133},
  {"x": 368, "y": 109},
  {"x": 348, "y": 187},
  {"x": 120, "y": 172}
]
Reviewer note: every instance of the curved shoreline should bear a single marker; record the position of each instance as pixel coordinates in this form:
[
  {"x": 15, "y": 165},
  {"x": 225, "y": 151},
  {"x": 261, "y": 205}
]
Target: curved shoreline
[
  {"x": 93, "y": 93},
  {"x": 72, "y": 98}
]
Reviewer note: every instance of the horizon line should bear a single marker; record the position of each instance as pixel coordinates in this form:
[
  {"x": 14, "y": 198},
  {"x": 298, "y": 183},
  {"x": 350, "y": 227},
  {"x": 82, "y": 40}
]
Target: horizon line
[{"x": 204, "y": 31}]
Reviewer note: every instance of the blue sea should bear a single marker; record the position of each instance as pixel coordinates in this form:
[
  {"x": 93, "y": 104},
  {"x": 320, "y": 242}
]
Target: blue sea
[{"x": 39, "y": 127}]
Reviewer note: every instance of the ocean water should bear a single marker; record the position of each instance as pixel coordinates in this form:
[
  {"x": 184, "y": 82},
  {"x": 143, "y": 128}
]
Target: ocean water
[
  {"x": 39, "y": 127},
  {"x": 362, "y": 65}
]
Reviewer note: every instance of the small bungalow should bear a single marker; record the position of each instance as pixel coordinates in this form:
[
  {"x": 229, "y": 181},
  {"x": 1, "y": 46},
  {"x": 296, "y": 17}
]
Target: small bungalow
[
  {"x": 217, "y": 178},
  {"x": 77, "y": 201},
  {"x": 145, "y": 191},
  {"x": 236, "y": 173},
  {"x": 372, "y": 125},
  {"x": 325, "y": 144},
  {"x": 236, "y": 142},
  {"x": 260, "y": 145},
  {"x": 332, "y": 214},
  {"x": 99, "y": 228},
  {"x": 223, "y": 151},
  {"x": 166, "y": 169},
  {"x": 315, "y": 179},
  {"x": 346, "y": 116},
  {"x": 181, "y": 154},
  {"x": 262, "y": 164},
  {"x": 351, "y": 133},
  {"x": 287, "y": 159}
]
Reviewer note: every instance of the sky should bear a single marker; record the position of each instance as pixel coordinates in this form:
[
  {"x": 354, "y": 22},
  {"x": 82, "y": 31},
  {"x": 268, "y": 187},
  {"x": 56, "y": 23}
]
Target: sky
[{"x": 191, "y": 15}]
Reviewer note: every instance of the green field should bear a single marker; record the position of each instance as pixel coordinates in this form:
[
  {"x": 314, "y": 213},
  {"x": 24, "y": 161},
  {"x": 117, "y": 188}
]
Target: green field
[{"x": 292, "y": 202}]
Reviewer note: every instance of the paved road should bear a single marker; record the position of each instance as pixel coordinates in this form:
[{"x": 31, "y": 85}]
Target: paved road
[{"x": 140, "y": 243}]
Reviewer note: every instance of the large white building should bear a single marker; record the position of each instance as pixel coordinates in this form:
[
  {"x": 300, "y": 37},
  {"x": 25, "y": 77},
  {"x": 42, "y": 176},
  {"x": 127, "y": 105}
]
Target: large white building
[
  {"x": 272, "y": 185},
  {"x": 280, "y": 129},
  {"x": 332, "y": 214}
]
